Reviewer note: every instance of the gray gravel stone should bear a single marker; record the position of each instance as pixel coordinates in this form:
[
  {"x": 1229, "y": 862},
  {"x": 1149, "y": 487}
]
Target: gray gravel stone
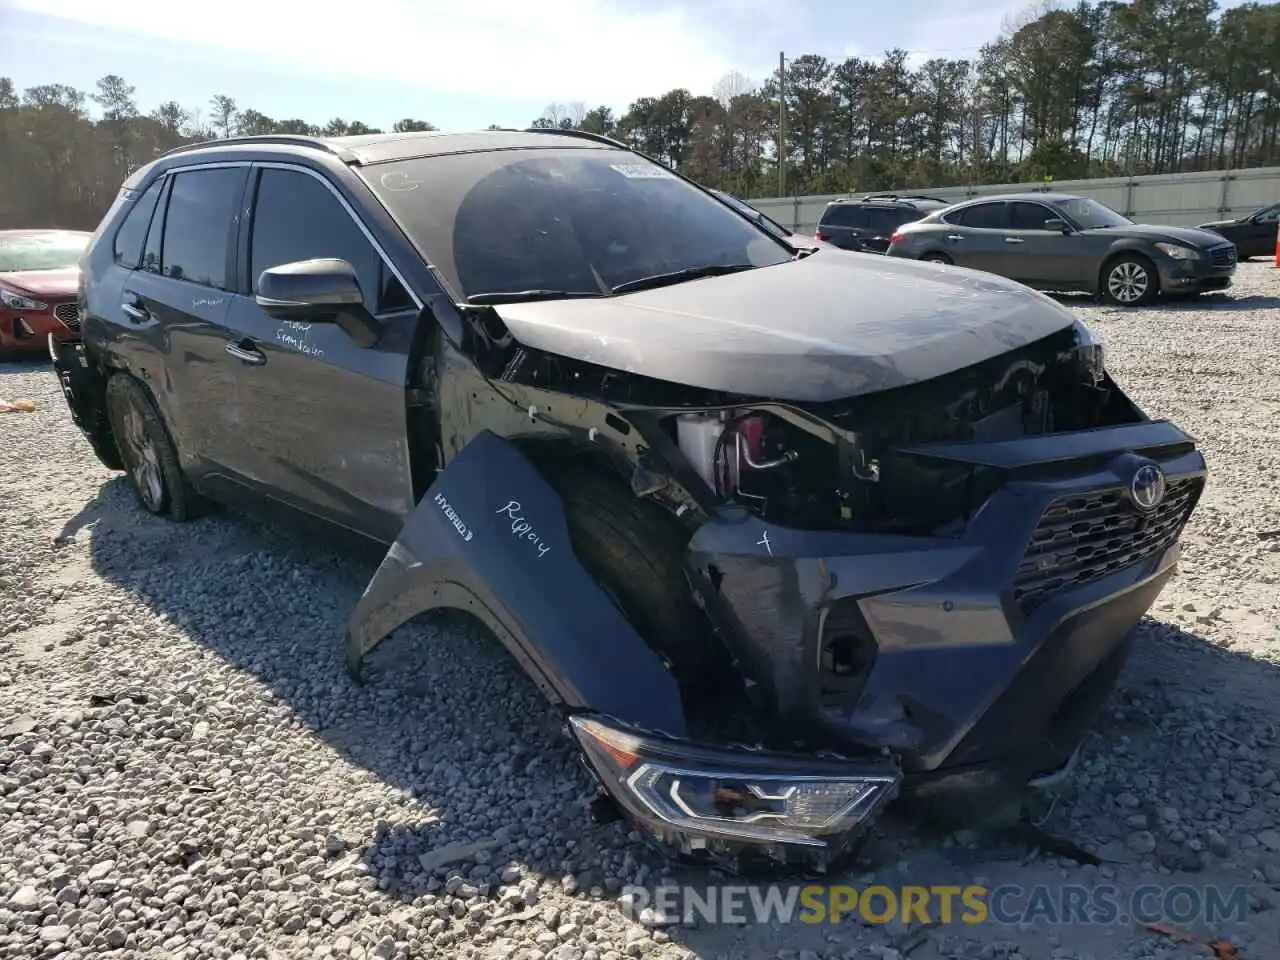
[{"x": 183, "y": 759}]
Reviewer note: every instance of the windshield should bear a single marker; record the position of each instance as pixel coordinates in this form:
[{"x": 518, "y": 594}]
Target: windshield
[
  {"x": 777, "y": 229},
  {"x": 41, "y": 251},
  {"x": 571, "y": 220},
  {"x": 1089, "y": 214}
]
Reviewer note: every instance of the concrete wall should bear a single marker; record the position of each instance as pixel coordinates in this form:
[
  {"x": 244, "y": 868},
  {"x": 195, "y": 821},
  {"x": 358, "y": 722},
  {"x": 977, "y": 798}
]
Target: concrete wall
[{"x": 1183, "y": 199}]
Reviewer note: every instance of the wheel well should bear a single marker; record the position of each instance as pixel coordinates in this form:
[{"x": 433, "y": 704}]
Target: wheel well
[
  {"x": 936, "y": 255},
  {"x": 1108, "y": 263}
]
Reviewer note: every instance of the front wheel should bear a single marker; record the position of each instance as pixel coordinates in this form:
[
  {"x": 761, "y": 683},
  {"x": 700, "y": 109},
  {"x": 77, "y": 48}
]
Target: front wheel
[
  {"x": 1129, "y": 281},
  {"x": 148, "y": 455},
  {"x": 636, "y": 554}
]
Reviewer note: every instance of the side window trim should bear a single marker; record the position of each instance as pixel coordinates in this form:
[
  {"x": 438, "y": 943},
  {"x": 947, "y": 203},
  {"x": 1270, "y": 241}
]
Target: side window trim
[
  {"x": 251, "y": 203},
  {"x": 156, "y": 226},
  {"x": 229, "y": 266}
]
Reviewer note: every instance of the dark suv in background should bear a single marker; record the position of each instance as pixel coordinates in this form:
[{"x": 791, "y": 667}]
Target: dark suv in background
[{"x": 866, "y": 223}]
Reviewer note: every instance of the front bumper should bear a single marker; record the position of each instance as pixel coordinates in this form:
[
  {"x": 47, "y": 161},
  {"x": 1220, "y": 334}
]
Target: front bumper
[
  {"x": 980, "y": 660},
  {"x": 28, "y": 331},
  {"x": 1212, "y": 270}
]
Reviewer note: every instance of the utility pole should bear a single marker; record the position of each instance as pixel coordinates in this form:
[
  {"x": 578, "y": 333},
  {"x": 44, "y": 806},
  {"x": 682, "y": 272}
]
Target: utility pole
[{"x": 782, "y": 125}]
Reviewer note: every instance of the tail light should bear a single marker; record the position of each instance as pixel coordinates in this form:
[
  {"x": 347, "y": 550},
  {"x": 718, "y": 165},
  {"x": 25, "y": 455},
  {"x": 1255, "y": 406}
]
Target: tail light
[
  {"x": 817, "y": 235},
  {"x": 897, "y": 235}
]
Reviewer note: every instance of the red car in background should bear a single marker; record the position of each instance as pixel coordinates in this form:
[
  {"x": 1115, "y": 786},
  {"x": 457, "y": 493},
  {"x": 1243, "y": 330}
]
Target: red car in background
[{"x": 39, "y": 275}]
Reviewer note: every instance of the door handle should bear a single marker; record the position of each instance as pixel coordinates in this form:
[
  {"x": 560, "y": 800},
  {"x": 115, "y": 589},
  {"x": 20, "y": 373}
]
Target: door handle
[
  {"x": 1014, "y": 240},
  {"x": 247, "y": 354},
  {"x": 135, "y": 312},
  {"x": 954, "y": 236}
]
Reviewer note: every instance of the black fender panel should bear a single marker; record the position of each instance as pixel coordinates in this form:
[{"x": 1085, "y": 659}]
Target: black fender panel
[{"x": 490, "y": 537}]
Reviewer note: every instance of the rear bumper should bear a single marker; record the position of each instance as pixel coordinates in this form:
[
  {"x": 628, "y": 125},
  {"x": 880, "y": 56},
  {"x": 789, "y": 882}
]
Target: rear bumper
[{"x": 984, "y": 655}]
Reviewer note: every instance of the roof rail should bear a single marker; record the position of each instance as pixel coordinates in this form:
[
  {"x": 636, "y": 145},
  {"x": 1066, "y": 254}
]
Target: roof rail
[
  {"x": 902, "y": 196},
  {"x": 290, "y": 139},
  {"x": 580, "y": 134}
]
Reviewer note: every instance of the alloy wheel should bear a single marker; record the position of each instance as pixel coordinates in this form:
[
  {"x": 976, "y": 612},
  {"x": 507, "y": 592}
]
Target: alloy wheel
[
  {"x": 143, "y": 459},
  {"x": 1128, "y": 282}
]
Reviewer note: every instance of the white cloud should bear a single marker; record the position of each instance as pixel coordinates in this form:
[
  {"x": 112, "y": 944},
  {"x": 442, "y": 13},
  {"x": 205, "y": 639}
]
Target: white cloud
[{"x": 557, "y": 50}]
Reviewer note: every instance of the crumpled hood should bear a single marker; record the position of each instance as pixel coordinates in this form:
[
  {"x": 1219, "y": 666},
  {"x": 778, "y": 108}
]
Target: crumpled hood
[
  {"x": 43, "y": 283},
  {"x": 832, "y": 325},
  {"x": 1191, "y": 236}
]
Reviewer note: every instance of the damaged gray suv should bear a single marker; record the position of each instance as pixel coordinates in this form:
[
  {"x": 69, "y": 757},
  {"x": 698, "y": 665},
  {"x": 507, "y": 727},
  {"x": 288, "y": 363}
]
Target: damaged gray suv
[{"x": 787, "y": 534}]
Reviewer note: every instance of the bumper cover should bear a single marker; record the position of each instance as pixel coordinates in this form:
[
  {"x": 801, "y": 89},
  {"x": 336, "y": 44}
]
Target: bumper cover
[
  {"x": 1213, "y": 270},
  {"x": 995, "y": 647}
]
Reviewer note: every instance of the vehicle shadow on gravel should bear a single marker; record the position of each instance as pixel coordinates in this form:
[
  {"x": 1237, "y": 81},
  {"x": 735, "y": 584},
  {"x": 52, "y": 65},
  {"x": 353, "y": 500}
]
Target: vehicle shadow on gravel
[
  {"x": 481, "y": 769},
  {"x": 444, "y": 717},
  {"x": 23, "y": 365}
]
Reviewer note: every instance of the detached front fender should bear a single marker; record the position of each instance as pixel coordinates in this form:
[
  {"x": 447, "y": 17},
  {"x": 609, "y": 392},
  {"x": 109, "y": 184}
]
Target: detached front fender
[{"x": 490, "y": 537}]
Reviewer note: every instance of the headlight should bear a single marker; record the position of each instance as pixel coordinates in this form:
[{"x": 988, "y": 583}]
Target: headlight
[
  {"x": 15, "y": 302},
  {"x": 706, "y": 794},
  {"x": 1177, "y": 251},
  {"x": 1090, "y": 353}
]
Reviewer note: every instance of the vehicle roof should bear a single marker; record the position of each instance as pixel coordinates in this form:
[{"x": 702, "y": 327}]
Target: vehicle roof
[
  {"x": 1033, "y": 195},
  {"x": 38, "y": 232},
  {"x": 372, "y": 148}
]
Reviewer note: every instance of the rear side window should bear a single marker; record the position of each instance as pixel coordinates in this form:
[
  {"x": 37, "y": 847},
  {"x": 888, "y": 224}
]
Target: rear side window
[
  {"x": 890, "y": 218},
  {"x": 845, "y": 216},
  {"x": 296, "y": 217},
  {"x": 133, "y": 231},
  {"x": 984, "y": 216},
  {"x": 202, "y": 210}
]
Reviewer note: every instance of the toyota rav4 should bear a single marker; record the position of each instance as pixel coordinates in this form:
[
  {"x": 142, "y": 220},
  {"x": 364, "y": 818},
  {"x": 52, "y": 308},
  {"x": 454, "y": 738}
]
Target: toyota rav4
[{"x": 786, "y": 533}]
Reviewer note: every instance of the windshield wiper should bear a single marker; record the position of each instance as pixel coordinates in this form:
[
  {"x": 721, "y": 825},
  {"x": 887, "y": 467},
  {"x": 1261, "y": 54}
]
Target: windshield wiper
[
  {"x": 527, "y": 296},
  {"x": 679, "y": 276}
]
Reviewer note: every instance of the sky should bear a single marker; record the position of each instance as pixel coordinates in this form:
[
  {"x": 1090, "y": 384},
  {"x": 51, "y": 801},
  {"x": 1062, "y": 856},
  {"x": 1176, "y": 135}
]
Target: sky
[{"x": 460, "y": 65}]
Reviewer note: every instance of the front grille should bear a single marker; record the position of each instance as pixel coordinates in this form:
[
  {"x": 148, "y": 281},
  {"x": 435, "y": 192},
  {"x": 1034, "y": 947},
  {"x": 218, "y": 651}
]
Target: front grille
[
  {"x": 1084, "y": 537},
  {"x": 1223, "y": 256},
  {"x": 68, "y": 313}
]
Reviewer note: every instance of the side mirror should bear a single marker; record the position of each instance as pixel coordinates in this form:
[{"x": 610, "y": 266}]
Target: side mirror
[
  {"x": 1061, "y": 226},
  {"x": 318, "y": 291}
]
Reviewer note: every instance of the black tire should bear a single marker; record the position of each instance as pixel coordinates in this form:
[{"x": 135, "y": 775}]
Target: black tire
[
  {"x": 936, "y": 257},
  {"x": 1129, "y": 280},
  {"x": 148, "y": 454},
  {"x": 635, "y": 551}
]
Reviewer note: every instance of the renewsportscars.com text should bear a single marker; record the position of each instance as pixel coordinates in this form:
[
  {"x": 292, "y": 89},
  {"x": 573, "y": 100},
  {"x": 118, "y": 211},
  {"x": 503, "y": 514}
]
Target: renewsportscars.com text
[{"x": 971, "y": 904}]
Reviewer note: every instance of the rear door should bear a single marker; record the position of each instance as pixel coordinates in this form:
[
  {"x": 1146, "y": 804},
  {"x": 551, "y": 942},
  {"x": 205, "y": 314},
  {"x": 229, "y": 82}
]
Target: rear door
[
  {"x": 1037, "y": 256},
  {"x": 844, "y": 226},
  {"x": 976, "y": 236},
  {"x": 882, "y": 222},
  {"x": 177, "y": 301},
  {"x": 319, "y": 423}
]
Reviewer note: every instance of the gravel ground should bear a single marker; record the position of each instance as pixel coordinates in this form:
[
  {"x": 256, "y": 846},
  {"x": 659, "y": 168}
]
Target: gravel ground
[{"x": 186, "y": 771}]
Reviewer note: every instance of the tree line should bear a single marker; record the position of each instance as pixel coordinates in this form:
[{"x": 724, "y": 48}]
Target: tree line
[{"x": 1091, "y": 90}]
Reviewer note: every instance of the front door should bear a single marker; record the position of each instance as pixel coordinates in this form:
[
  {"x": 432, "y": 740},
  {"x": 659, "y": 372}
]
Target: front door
[
  {"x": 321, "y": 423},
  {"x": 1040, "y": 257}
]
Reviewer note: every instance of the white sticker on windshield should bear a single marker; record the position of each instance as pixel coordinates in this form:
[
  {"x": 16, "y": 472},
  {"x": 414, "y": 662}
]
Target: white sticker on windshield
[{"x": 642, "y": 171}]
